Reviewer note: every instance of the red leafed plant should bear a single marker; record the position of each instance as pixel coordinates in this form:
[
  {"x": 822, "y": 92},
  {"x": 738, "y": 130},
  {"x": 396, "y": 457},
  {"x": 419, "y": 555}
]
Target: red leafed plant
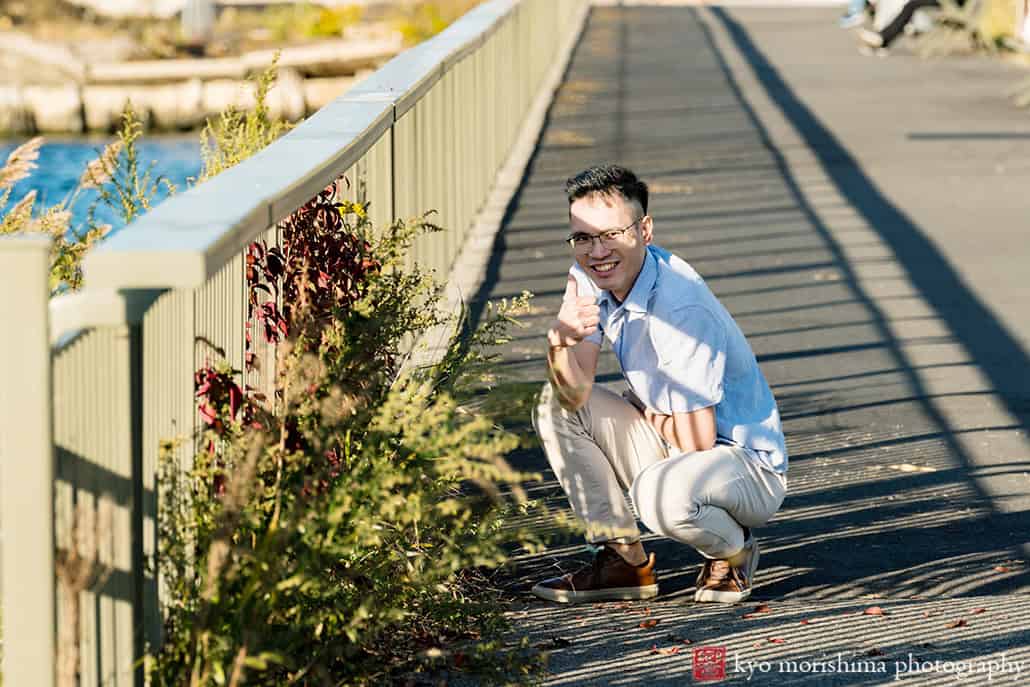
[
  {"x": 323, "y": 264},
  {"x": 322, "y": 267},
  {"x": 220, "y": 397}
]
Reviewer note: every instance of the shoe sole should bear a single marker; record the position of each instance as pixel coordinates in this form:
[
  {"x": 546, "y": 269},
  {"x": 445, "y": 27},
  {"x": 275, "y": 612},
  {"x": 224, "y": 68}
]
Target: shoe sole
[
  {"x": 705, "y": 595},
  {"x": 648, "y": 591}
]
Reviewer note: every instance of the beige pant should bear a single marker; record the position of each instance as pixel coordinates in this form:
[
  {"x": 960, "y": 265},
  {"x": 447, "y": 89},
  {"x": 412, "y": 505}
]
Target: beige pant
[{"x": 702, "y": 499}]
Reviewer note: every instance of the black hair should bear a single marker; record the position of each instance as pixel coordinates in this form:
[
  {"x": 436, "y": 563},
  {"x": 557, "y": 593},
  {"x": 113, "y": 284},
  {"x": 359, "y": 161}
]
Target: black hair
[{"x": 606, "y": 180}]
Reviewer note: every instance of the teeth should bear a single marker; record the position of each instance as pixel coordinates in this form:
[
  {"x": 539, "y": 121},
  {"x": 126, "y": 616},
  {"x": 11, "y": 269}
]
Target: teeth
[{"x": 607, "y": 267}]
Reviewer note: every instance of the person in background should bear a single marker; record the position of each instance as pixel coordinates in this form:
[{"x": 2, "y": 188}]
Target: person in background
[
  {"x": 883, "y": 38},
  {"x": 854, "y": 15}
]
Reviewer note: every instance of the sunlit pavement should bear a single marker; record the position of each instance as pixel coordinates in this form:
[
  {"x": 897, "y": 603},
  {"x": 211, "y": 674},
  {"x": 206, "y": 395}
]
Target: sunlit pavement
[{"x": 864, "y": 219}]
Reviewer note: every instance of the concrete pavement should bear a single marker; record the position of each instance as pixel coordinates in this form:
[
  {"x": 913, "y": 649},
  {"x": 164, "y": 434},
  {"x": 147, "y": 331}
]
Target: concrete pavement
[{"x": 864, "y": 221}]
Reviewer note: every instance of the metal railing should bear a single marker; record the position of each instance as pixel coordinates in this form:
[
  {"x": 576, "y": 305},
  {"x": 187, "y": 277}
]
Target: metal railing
[{"x": 82, "y": 418}]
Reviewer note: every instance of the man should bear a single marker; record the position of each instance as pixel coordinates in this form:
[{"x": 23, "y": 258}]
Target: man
[{"x": 696, "y": 439}]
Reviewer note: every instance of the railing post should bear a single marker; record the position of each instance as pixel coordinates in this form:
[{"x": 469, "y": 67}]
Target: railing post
[{"x": 26, "y": 463}]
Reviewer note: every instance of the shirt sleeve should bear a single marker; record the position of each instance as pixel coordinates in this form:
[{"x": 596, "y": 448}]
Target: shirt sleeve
[
  {"x": 691, "y": 348},
  {"x": 586, "y": 288}
]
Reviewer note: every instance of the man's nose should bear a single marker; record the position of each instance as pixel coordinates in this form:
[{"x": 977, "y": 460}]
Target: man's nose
[{"x": 597, "y": 248}]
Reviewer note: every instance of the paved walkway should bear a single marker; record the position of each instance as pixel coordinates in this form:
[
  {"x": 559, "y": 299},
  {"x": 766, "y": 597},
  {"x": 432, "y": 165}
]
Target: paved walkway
[{"x": 865, "y": 221}]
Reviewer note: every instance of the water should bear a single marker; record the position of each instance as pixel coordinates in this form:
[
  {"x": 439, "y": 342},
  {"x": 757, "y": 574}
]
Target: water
[{"x": 62, "y": 162}]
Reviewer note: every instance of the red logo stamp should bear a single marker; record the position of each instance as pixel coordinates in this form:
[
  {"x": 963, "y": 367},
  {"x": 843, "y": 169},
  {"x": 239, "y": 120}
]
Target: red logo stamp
[{"x": 709, "y": 663}]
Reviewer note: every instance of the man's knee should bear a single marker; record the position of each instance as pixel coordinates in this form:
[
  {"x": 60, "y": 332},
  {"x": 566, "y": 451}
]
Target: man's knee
[
  {"x": 544, "y": 408},
  {"x": 662, "y": 504},
  {"x": 548, "y": 411}
]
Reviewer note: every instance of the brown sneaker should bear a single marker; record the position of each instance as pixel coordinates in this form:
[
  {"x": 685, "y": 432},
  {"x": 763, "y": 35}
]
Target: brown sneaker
[
  {"x": 608, "y": 578},
  {"x": 720, "y": 581}
]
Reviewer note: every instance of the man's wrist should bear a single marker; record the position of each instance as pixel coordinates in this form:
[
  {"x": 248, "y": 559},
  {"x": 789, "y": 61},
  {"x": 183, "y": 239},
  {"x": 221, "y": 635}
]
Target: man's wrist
[{"x": 554, "y": 340}]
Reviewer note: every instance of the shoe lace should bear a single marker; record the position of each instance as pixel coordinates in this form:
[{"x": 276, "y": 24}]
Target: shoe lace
[
  {"x": 583, "y": 575},
  {"x": 718, "y": 571}
]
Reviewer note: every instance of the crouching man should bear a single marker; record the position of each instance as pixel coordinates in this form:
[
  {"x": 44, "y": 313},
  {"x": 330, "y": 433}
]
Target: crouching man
[{"x": 696, "y": 439}]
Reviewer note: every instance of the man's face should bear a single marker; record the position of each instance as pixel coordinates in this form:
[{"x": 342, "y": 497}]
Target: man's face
[{"x": 615, "y": 266}]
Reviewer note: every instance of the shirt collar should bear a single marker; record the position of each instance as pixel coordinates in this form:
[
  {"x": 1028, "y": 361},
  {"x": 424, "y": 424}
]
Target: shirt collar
[{"x": 641, "y": 292}]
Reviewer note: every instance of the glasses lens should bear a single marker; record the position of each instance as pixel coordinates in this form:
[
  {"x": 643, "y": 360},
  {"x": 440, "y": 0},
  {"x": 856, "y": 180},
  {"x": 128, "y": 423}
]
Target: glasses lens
[{"x": 580, "y": 243}]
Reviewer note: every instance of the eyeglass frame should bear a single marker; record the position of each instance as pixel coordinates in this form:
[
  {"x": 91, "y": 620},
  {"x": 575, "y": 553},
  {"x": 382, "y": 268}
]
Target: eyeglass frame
[{"x": 571, "y": 238}]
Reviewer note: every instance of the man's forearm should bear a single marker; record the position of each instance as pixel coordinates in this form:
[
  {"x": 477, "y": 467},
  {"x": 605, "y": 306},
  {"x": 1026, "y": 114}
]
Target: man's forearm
[{"x": 568, "y": 378}]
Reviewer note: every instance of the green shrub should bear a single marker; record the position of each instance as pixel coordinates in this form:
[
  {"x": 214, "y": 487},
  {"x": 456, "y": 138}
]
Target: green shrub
[
  {"x": 300, "y": 21},
  {"x": 236, "y": 134},
  {"x": 426, "y": 18},
  {"x": 120, "y": 181},
  {"x": 327, "y": 533}
]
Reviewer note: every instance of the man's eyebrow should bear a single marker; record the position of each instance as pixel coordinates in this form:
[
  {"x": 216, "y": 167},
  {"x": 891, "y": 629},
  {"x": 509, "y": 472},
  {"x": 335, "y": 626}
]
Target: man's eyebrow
[{"x": 588, "y": 233}]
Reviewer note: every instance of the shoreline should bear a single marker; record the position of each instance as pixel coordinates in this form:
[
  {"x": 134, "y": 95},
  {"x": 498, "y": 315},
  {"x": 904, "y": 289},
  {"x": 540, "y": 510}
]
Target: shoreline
[{"x": 175, "y": 95}]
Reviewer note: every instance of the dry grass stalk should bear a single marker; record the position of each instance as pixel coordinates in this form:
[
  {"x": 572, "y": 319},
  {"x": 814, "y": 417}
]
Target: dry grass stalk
[
  {"x": 55, "y": 221},
  {"x": 19, "y": 215},
  {"x": 237, "y": 667},
  {"x": 237, "y": 493},
  {"x": 83, "y": 565},
  {"x": 99, "y": 171},
  {"x": 20, "y": 162}
]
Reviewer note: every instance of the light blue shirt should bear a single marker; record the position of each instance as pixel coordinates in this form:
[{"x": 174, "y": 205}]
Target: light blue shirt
[{"x": 680, "y": 350}]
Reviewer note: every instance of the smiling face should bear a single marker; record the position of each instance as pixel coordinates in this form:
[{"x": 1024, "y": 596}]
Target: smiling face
[{"x": 615, "y": 267}]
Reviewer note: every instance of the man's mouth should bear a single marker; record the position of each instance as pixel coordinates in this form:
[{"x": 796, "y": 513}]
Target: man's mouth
[{"x": 604, "y": 267}]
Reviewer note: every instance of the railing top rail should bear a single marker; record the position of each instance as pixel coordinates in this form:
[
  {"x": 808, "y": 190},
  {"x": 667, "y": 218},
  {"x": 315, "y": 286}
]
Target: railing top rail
[{"x": 187, "y": 238}]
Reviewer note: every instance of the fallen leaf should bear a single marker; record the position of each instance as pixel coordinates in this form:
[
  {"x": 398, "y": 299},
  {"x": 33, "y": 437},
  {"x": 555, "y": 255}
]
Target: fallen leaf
[
  {"x": 977, "y": 611},
  {"x": 649, "y": 623},
  {"x": 553, "y": 643},
  {"x": 874, "y": 610},
  {"x": 760, "y": 608},
  {"x": 777, "y": 640},
  {"x": 956, "y": 623},
  {"x": 909, "y": 467}
]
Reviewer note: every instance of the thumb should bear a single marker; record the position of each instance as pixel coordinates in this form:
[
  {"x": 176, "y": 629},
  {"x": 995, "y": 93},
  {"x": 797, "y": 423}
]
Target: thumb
[{"x": 571, "y": 289}]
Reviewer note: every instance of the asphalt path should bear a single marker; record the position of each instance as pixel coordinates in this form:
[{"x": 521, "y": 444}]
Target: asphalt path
[{"x": 864, "y": 220}]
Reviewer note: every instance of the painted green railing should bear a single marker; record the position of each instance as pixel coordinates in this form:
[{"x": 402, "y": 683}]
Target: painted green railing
[{"x": 94, "y": 381}]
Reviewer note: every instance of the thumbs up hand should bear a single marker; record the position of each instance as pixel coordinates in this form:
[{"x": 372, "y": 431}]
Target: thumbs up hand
[{"x": 577, "y": 319}]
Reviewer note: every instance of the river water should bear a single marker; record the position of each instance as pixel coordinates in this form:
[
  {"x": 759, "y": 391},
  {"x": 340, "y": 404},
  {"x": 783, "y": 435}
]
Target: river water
[{"x": 62, "y": 162}]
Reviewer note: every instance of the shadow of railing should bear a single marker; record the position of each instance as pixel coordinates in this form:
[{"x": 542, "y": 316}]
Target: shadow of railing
[{"x": 884, "y": 494}]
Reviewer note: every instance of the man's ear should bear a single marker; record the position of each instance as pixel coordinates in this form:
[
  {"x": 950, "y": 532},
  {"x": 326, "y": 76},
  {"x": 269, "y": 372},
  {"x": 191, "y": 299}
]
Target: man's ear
[{"x": 647, "y": 229}]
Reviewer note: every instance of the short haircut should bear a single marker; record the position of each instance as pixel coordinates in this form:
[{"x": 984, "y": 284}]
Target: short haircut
[{"x": 607, "y": 180}]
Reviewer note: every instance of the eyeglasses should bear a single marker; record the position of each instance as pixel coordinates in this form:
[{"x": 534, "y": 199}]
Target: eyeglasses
[{"x": 582, "y": 242}]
